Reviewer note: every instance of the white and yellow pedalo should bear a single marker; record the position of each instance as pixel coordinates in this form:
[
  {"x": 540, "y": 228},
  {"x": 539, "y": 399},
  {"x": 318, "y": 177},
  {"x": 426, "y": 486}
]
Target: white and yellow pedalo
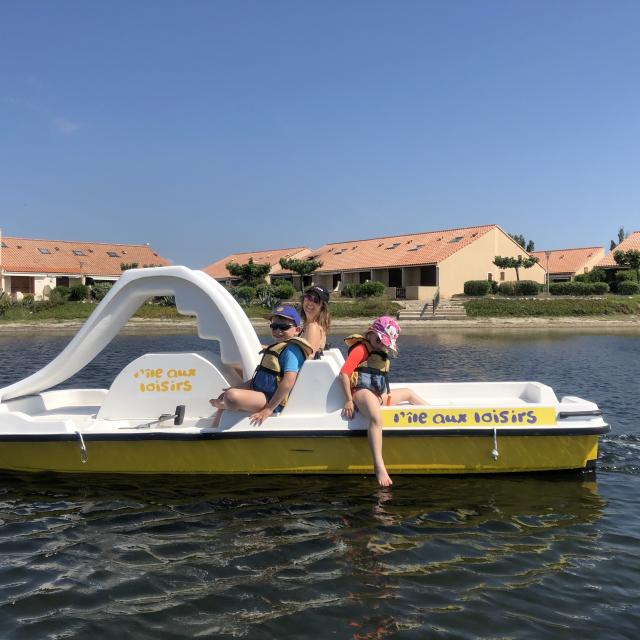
[{"x": 156, "y": 419}]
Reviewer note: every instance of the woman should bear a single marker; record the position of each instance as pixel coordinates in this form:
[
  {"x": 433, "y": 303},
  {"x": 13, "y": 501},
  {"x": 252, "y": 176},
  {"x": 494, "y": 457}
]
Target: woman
[{"x": 316, "y": 317}]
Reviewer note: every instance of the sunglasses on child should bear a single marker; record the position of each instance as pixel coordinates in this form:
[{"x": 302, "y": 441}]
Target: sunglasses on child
[
  {"x": 278, "y": 326},
  {"x": 312, "y": 297}
]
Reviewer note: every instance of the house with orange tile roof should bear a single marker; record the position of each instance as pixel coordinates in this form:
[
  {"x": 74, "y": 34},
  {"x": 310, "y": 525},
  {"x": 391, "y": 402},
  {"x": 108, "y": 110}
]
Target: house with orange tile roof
[
  {"x": 420, "y": 266},
  {"x": 36, "y": 266},
  {"x": 272, "y": 257},
  {"x": 632, "y": 241},
  {"x": 566, "y": 264}
]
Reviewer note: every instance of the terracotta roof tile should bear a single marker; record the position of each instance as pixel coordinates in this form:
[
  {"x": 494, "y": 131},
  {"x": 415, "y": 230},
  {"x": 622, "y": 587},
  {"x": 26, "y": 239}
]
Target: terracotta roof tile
[
  {"x": 568, "y": 260},
  {"x": 396, "y": 251},
  {"x": 271, "y": 256},
  {"x": 632, "y": 241},
  {"x": 26, "y": 255}
]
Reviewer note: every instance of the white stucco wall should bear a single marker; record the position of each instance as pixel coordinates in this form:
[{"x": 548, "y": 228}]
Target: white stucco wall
[{"x": 40, "y": 282}]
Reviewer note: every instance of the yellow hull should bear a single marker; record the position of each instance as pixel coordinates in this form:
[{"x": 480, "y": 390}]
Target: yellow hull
[{"x": 410, "y": 454}]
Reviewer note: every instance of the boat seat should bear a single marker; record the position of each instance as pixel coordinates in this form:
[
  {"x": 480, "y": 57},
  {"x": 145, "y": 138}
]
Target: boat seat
[
  {"x": 317, "y": 389},
  {"x": 156, "y": 383}
]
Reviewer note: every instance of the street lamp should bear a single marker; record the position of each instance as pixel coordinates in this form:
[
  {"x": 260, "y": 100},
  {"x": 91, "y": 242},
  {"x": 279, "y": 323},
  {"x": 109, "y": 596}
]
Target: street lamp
[{"x": 547, "y": 254}]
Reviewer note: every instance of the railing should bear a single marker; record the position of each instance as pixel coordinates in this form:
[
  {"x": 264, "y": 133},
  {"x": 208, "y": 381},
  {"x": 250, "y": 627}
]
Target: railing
[
  {"x": 401, "y": 293},
  {"x": 435, "y": 301}
]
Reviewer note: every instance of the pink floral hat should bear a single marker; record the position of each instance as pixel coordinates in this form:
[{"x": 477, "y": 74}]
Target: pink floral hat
[{"x": 388, "y": 330}]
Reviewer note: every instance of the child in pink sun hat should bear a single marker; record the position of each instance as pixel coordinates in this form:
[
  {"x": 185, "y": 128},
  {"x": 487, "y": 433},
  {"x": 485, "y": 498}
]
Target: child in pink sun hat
[{"x": 364, "y": 378}]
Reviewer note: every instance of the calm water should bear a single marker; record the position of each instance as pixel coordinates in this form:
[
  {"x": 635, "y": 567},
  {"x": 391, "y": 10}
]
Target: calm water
[{"x": 333, "y": 557}]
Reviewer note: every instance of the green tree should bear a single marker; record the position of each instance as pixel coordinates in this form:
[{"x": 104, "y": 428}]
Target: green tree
[
  {"x": 630, "y": 259},
  {"x": 621, "y": 236},
  {"x": 515, "y": 263},
  {"x": 125, "y": 266},
  {"x": 301, "y": 267},
  {"x": 528, "y": 246},
  {"x": 250, "y": 274}
]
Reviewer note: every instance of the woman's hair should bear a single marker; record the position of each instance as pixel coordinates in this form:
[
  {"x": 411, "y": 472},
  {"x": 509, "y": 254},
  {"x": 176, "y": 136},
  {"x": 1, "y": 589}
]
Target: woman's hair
[{"x": 324, "y": 316}]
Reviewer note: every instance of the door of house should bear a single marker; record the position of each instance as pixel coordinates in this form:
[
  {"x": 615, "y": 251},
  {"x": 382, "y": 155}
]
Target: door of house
[{"x": 395, "y": 277}]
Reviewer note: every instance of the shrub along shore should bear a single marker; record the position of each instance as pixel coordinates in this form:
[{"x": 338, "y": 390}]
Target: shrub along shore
[
  {"x": 552, "y": 307},
  {"x": 520, "y": 300}
]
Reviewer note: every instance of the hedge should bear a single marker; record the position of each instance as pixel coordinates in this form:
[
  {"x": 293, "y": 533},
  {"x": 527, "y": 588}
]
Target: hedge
[
  {"x": 78, "y": 292},
  {"x": 519, "y": 288},
  {"x": 570, "y": 289},
  {"x": 477, "y": 287},
  {"x": 628, "y": 288},
  {"x": 533, "y": 307},
  {"x": 365, "y": 290}
]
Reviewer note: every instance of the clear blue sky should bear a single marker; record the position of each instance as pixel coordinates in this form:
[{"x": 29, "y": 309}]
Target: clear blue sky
[{"x": 208, "y": 127}]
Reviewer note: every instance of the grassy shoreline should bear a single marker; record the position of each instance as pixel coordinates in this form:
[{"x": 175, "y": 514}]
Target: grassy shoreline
[
  {"x": 183, "y": 324},
  {"x": 487, "y": 313}
]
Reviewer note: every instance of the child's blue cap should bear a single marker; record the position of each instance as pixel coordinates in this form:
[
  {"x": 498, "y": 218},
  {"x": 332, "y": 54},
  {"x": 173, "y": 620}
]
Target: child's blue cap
[{"x": 286, "y": 311}]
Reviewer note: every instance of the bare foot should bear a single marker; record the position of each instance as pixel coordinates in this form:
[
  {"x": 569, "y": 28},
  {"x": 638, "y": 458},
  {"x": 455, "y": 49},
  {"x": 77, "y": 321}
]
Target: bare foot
[
  {"x": 216, "y": 403},
  {"x": 383, "y": 477}
]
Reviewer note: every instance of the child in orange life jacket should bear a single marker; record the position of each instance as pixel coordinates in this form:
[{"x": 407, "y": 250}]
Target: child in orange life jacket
[
  {"x": 364, "y": 378},
  {"x": 267, "y": 391}
]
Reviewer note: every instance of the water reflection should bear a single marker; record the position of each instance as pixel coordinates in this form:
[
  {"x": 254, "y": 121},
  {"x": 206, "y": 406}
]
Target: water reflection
[{"x": 247, "y": 556}]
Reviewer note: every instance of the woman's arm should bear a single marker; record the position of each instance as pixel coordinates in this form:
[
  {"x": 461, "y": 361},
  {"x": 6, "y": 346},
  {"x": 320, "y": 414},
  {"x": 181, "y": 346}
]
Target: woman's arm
[{"x": 315, "y": 336}]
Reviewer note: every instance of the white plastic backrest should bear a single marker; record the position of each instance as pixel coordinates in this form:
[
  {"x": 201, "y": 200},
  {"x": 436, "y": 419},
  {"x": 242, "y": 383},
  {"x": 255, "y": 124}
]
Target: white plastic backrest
[
  {"x": 219, "y": 317},
  {"x": 156, "y": 383},
  {"x": 317, "y": 389}
]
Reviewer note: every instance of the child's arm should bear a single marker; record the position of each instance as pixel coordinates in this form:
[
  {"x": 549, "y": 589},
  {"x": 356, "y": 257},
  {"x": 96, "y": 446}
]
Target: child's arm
[
  {"x": 284, "y": 387},
  {"x": 349, "y": 407},
  {"x": 355, "y": 357}
]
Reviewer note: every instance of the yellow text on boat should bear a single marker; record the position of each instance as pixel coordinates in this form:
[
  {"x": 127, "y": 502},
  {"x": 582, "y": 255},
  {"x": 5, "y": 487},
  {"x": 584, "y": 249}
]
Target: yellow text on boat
[{"x": 468, "y": 417}]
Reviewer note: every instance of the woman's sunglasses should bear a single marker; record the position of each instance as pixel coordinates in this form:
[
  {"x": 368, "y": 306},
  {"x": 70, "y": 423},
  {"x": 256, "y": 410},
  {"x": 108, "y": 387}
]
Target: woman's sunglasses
[
  {"x": 312, "y": 298},
  {"x": 277, "y": 326}
]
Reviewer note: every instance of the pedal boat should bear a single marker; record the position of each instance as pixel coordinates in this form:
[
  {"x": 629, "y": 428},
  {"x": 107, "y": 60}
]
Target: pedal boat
[{"x": 156, "y": 419}]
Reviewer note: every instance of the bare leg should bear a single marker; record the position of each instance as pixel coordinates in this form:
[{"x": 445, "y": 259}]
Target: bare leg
[
  {"x": 403, "y": 394},
  {"x": 217, "y": 416},
  {"x": 217, "y": 403},
  {"x": 369, "y": 405},
  {"x": 237, "y": 400}
]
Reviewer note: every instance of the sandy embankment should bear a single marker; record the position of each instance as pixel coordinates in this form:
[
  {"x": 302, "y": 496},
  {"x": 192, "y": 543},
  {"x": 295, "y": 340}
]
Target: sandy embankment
[{"x": 143, "y": 325}]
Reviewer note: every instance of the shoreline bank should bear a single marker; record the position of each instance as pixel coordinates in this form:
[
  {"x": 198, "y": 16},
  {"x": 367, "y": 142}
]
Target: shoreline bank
[{"x": 145, "y": 325}]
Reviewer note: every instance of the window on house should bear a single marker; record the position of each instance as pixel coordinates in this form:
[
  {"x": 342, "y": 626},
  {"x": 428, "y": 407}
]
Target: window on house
[
  {"x": 456, "y": 239},
  {"x": 112, "y": 254},
  {"x": 394, "y": 245},
  {"x": 43, "y": 250},
  {"x": 364, "y": 276},
  {"x": 79, "y": 252},
  {"x": 418, "y": 246},
  {"x": 501, "y": 276},
  {"x": 489, "y": 277},
  {"x": 4, "y": 246}
]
